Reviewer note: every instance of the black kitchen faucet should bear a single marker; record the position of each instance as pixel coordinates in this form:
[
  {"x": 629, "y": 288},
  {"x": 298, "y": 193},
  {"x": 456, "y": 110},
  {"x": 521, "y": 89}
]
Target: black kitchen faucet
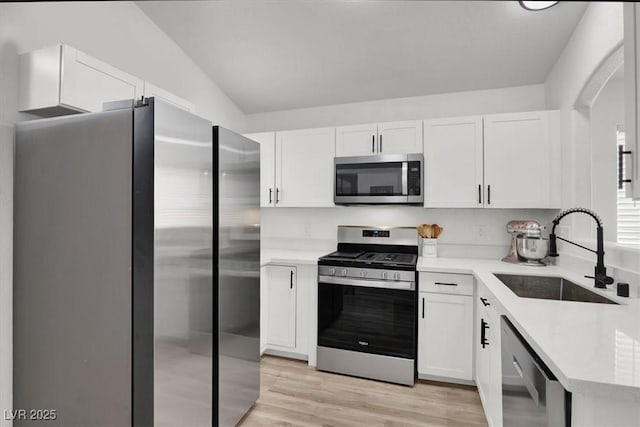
[{"x": 600, "y": 275}]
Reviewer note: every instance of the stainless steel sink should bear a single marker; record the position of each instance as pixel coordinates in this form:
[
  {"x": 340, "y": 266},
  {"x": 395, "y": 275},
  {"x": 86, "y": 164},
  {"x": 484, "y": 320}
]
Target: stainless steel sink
[{"x": 546, "y": 287}]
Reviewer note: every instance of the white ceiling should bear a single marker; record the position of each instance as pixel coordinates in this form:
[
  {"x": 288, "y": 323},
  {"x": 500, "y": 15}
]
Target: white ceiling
[{"x": 276, "y": 55}]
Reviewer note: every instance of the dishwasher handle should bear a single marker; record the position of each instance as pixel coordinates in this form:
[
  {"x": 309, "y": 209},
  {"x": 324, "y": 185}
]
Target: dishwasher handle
[{"x": 533, "y": 391}]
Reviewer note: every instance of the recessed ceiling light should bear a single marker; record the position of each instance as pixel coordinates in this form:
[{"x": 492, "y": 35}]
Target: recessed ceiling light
[{"x": 537, "y": 5}]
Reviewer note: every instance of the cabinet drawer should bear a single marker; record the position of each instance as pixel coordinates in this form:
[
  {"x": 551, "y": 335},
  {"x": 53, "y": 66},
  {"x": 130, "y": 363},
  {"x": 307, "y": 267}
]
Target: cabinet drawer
[{"x": 446, "y": 283}]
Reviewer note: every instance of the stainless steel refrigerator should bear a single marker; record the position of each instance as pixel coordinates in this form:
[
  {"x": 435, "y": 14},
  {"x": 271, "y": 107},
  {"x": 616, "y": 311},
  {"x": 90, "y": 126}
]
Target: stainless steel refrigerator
[{"x": 136, "y": 269}]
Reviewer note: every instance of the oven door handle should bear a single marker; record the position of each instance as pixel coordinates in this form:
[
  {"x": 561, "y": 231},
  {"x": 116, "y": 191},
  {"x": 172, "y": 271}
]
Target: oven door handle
[{"x": 384, "y": 284}]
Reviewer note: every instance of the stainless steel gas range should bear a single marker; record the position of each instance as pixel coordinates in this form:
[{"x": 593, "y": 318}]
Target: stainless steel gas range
[{"x": 367, "y": 304}]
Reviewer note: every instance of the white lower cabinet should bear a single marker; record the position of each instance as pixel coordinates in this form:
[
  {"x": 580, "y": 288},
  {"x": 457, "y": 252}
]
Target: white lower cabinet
[
  {"x": 488, "y": 369},
  {"x": 445, "y": 327},
  {"x": 281, "y": 305},
  {"x": 288, "y": 312},
  {"x": 445, "y": 336}
]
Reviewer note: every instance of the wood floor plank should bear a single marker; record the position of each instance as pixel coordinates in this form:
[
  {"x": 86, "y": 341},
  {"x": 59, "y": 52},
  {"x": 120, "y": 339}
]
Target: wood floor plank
[{"x": 296, "y": 395}]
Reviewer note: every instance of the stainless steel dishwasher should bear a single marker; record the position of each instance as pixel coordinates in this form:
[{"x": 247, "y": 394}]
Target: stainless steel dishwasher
[{"x": 531, "y": 394}]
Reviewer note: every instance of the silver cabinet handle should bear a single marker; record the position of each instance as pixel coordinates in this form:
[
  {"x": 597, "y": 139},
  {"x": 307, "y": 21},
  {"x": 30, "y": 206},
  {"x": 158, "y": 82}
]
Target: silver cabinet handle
[
  {"x": 270, "y": 191},
  {"x": 380, "y": 144},
  {"x": 445, "y": 284},
  {"x": 373, "y": 143},
  {"x": 277, "y": 194}
]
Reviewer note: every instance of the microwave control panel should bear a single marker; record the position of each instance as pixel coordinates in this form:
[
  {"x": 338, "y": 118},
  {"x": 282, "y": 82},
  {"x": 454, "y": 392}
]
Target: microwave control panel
[{"x": 413, "y": 178}]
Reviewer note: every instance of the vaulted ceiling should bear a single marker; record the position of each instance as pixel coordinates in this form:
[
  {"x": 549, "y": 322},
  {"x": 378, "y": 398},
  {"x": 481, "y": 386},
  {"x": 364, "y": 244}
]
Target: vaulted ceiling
[{"x": 269, "y": 55}]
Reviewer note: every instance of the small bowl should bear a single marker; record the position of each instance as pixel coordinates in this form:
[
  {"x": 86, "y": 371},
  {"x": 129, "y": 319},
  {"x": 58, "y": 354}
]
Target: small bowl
[{"x": 532, "y": 248}]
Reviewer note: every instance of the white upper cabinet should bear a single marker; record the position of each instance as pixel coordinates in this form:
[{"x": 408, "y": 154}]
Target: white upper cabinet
[
  {"x": 494, "y": 161},
  {"x": 151, "y": 90},
  {"x": 304, "y": 168},
  {"x": 453, "y": 163},
  {"x": 632, "y": 98},
  {"x": 61, "y": 80},
  {"x": 382, "y": 138},
  {"x": 521, "y": 160},
  {"x": 359, "y": 140},
  {"x": 400, "y": 137},
  {"x": 267, "y": 141}
]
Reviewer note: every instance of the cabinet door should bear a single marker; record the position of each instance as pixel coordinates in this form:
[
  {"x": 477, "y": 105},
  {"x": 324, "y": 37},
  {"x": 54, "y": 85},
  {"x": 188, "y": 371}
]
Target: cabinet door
[
  {"x": 87, "y": 83},
  {"x": 267, "y": 141},
  {"x": 453, "y": 163},
  {"x": 304, "y": 167},
  {"x": 495, "y": 359},
  {"x": 281, "y": 305},
  {"x": 445, "y": 336},
  {"x": 483, "y": 364},
  {"x": 151, "y": 90},
  {"x": 520, "y": 160},
  {"x": 360, "y": 140},
  {"x": 400, "y": 137},
  {"x": 632, "y": 87}
]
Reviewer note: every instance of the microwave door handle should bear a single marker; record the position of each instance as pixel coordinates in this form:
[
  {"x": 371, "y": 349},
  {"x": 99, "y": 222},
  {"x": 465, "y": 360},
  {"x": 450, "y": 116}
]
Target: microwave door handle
[{"x": 405, "y": 178}]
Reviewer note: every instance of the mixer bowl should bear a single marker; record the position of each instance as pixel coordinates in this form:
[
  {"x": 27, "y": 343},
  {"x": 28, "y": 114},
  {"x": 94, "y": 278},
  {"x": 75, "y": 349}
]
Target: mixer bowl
[{"x": 532, "y": 248}]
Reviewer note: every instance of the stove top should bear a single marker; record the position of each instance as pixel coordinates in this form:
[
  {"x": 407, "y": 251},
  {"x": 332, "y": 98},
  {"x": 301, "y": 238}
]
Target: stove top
[
  {"x": 362, "y": 258},
  {"x": 365, "y": 247}
]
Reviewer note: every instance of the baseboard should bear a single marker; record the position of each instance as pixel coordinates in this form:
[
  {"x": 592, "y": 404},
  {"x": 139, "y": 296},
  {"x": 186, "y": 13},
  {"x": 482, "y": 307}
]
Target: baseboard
[
  {"x": 285, "y": 353},
  {"x": 440, "y": 379}
]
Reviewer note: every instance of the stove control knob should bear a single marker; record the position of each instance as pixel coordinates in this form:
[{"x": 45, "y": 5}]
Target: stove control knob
[
  {"x": 363, "y": 274},
  {"x": 396, "y": 276},
  {"x": 332, "y": 271},
  {"x": 384, "y": 275},
  {"x": 344, "y": 271}
]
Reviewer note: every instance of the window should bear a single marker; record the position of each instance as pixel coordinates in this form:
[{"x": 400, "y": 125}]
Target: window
[{"x": 628, "y": 212}]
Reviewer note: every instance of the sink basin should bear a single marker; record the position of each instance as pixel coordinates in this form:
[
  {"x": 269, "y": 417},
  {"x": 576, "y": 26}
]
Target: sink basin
[{"x": 546, "y": 287}]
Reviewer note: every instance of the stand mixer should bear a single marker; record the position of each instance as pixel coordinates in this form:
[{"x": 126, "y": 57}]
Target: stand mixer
[{"x": 527, "y": 245}]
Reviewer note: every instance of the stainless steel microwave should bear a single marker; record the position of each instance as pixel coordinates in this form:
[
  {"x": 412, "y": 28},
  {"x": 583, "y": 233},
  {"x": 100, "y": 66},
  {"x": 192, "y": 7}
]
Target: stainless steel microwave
[{"x": 386, "y": 179}]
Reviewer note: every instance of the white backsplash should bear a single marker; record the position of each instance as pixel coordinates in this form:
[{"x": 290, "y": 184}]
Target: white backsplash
[{"x": 468, "y": 233}]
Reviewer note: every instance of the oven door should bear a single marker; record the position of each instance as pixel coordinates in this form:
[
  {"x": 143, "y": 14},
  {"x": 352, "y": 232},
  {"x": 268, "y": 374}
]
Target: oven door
[
  {"x": 367, "y": 316},
  {"x": 378, "y": 179}
]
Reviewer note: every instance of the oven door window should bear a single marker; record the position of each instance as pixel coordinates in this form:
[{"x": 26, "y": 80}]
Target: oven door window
[
  {"x": 370, "y": 320},
  {"x": 369, "y": 179}
]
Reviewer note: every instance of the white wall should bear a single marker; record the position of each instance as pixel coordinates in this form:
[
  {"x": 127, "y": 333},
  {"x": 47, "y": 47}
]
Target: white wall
[
  {"x": 607, "y": 112},
  {"x": 598, "y": 35},
  {"x": 479, "y": 233},
  {"x": 521, "y": 98},
  {"x": 118, "y": 33}
]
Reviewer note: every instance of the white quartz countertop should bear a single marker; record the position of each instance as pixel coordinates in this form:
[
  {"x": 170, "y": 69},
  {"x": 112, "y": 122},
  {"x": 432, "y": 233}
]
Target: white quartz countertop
[
  {"x": 591, "y": 348},
  {"x": 290, "y": 256}
]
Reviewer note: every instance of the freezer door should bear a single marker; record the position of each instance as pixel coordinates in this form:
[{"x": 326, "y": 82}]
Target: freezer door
[
  {"x": 237, "y": 241},
  {"x": 183, "y": 268},
  {"x": 72, "y": 270}
]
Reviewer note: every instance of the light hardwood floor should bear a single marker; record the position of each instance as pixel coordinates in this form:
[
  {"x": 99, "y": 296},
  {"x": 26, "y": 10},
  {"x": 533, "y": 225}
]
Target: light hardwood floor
[{"x": 294, "y": 394}]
